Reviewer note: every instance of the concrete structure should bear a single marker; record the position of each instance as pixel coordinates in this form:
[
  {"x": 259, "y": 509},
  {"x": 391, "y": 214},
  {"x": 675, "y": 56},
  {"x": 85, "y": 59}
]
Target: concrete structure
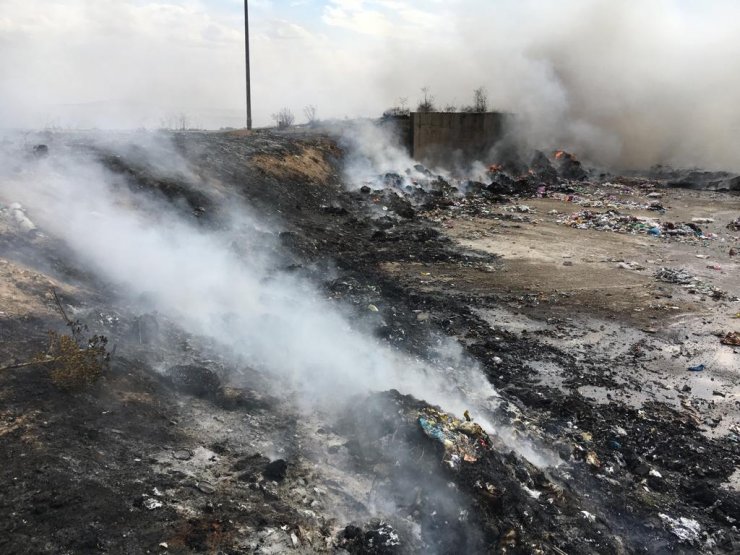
[
  {"x": 444, "y": 138},
  {"x": 447, "y": 138}
]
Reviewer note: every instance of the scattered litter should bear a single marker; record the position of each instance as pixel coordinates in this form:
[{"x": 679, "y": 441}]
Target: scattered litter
[
  {"x": 714, "y": 266},
  {"x": 372, "y": 308},
  {"x": 703, "y": 256},
  {"x": 703, "y": 220},
  {"x": 616, "y": 222},
  {"x": 686, "y": 529},
  {"x": 462, "y": 439},
  {"x": 697, "y": 368},
  {"x": 590, "y": 517},
  {"x": 150, "y": 503},
  {"x": 681, "y": 277},
  {"x": 732, "y": 338},
  {"x": 164, "y": 545},
  {"x": 734, "y": 225}
]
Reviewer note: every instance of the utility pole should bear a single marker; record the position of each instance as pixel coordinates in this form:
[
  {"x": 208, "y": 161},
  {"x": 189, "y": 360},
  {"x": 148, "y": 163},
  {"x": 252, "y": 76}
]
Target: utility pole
[{"x": 246, "y": 48}]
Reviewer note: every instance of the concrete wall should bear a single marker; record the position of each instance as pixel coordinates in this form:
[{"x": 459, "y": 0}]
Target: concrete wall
[{"x": 454, "y": 138}]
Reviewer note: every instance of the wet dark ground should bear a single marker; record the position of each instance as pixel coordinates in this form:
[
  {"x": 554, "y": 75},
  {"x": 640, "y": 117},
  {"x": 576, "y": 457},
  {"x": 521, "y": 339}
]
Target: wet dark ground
[{"x": 147, "y": 461}]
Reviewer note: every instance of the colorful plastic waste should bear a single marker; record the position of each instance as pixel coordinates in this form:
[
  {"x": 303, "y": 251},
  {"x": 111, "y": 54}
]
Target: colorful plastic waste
[{"x": 463, "y": 440}]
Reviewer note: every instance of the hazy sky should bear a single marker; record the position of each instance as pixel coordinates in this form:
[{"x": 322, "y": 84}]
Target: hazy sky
[{"x": 583, "y": 72}]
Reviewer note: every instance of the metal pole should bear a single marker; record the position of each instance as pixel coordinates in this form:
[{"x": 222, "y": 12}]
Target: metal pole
[{"x": 246, "y": 48}]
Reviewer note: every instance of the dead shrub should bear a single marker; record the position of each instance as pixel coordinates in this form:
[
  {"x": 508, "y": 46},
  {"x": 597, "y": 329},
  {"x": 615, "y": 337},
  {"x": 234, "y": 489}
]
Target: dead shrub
[
  {"x": 284, "y": 118},
  {"x": 73, "y": 366}
]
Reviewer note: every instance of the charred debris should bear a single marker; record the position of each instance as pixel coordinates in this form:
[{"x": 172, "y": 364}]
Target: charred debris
[{"x": 177, "y": 448}]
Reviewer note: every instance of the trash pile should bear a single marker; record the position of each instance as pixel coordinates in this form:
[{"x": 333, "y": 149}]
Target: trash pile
[
  {"x": 685, "y": 279},
  {"x": 609, "y": 201},
  {"x": 463, "y": 440},
  {"x": 612, "y": 220},
  {"x": 734, "y": 225}
]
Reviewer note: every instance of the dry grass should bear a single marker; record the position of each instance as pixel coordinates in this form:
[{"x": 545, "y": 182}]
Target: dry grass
[{"x": 310, "y": 165}]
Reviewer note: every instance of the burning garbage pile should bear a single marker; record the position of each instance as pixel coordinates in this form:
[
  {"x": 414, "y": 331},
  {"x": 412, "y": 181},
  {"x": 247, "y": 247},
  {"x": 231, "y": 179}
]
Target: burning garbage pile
[
  {"x": 462, "y": 440},
  {"x": 510, "y": 178}
]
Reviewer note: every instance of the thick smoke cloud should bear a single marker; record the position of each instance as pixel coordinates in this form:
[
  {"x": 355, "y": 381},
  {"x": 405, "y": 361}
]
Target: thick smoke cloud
[
  {"x": 623, "y": 84},
  {"x": 276, "y": 322}
]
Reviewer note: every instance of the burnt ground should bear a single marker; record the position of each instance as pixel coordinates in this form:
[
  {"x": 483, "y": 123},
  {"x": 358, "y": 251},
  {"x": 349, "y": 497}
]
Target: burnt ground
[{"x": 170, "y": 452}]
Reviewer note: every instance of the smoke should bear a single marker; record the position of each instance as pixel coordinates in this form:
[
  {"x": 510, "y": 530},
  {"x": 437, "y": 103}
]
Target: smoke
[
  {"x": 276, "y": 322},
  {"x": 621, "y": 84}
]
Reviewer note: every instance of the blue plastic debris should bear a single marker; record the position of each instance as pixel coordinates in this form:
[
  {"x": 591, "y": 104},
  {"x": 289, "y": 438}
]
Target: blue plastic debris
[
  {"x": 614, "y": 444},
  {"x": 697, "y": 368},
  {"x": 654, "y": 231}
]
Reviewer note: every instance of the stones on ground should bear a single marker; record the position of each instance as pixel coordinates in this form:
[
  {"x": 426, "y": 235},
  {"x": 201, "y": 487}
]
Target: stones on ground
[
  {"x": 205, "y": 487},
  {"x": 182, "y": 455}
]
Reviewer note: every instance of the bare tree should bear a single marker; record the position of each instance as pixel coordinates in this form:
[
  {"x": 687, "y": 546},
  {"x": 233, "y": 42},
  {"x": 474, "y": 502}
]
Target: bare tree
[
  {"x": 401, "y": 110},
  {"x": 284, "y": 118},
  {"x": 427, "y": 103},
  {"x": 311, "y": 114},
  {"x": 480, "y": 100},
  {"x": 183, "y": 121},
  {"x": 450, "y": 108}
]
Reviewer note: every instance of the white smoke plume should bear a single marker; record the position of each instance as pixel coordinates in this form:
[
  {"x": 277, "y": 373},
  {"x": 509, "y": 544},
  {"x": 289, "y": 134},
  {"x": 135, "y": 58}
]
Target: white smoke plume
[
  {"x": 277, "y": 323},
  {"x": 623, "y": 84}
]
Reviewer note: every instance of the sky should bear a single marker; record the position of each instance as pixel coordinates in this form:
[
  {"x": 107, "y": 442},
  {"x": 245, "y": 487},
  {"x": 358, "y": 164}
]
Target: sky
[{"x": 628, "y": 80}]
